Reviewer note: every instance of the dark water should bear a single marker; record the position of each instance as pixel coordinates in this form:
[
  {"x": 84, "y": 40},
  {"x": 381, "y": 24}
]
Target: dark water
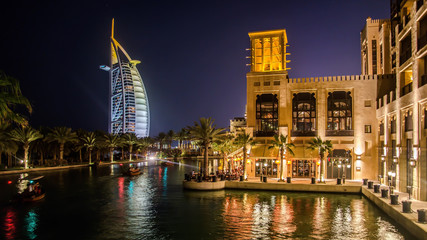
[{"x": 102, "y": 204}]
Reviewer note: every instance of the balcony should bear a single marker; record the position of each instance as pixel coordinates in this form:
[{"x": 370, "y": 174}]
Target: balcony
[
  {"x": 339, "y": 133},
  {"x": 422, "y": 41},
  {"x": 406, "y": 89},
  {"x": 265, "y": 133},
  {"x": 297, "y": 133}
]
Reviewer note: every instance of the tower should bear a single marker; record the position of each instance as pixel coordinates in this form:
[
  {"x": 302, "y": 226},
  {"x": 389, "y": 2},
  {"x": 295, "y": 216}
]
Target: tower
[{"x": 129, "y": 109}]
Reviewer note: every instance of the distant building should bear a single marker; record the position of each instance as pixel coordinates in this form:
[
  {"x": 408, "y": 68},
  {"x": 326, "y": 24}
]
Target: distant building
[
  {"x": 375, "y": 47},
  {"x": 237, "y": 125},
  {"x": 129, "y": 109}
]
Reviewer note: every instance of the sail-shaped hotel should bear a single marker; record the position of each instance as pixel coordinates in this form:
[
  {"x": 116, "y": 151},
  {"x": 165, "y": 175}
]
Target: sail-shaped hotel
[{"x": 129, "y": 109}]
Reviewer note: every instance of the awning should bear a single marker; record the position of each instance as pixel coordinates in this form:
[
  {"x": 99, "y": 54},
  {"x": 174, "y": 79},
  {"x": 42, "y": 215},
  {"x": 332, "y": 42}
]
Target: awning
[{"x": 263, "y": 152}]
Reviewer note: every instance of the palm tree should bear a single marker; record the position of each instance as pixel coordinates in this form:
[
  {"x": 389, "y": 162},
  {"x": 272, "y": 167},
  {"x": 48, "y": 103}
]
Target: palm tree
[
  {"x": 205, "y": 133},
  {"x": 79, "y": 145},
  {"x": 89, "y": 141},
  {"x": 40, "y": 147},
  {"x": 61, "y": 135},
  {"x": 225, "y": 146},
  {"x": 142, "y": 145},
  {"x": 181, "y": 136},
  {"x": 281, "y": 142},
  {"x": 10, "y": 97},
  {"x": 170, "y": 136},
  {"x": 6, "y": 144},
  {"x": 242, "y": 140},
  {"x": 111, "y": 141},
  {"x": 161, "y": 138},
  {"x": 25, "y": 135},
  {"x": 129, "y": 139},
  {"x": 322, "y": 146}
]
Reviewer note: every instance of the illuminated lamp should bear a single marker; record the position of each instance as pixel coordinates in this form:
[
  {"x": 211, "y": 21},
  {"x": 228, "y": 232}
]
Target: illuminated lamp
[
  {"x": 339, "y": 165},
  {"x": 277, "y": 161},
  {"x": 358, "y": 157},
  {"x": 289, "y": 162},
  {"x": 412, "y": 162},
  {"x": 257, "y": 164},
  {"x": 248, "y": 161},
  {"x": 395, "y": 159},
  {"x": 318, "y": 163},
  {"x": 9, "y": 182},
  {"x": 382, "y": 158},
  {"x": 415, "y": 152},
  {"x": 265, "y": 164}
]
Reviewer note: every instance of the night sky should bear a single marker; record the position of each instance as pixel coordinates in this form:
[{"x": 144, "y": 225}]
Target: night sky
[{"x": 193, "y": 58}]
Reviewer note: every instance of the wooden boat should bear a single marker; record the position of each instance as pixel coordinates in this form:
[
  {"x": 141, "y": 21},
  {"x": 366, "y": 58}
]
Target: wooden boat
[
  {"x": 35, "y": 195},
  {"x": 167, "y": 164},
  {"x": 34, "y": 198},
  {"x": 133, "y": 172}
]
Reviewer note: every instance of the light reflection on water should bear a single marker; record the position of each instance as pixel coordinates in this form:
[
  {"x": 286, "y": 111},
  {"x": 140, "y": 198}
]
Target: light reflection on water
[{"x": 103, "y": 204}]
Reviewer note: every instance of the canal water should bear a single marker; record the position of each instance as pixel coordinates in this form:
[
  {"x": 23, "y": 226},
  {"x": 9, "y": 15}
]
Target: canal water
[{"x": 102, "y": 204}]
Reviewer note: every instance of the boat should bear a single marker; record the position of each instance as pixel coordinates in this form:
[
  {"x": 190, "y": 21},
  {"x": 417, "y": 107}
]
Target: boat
[
  {"x": 34, "y": 191},
  {"x": 34, "y": 198},
  {"x": 132, "y": 172},
  {"x": 167, "y": 164}
]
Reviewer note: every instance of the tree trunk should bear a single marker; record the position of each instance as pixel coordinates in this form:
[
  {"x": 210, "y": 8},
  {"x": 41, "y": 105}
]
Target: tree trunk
[
  {"x": 111, "y": 154},
  {"x": 80, "y": 156},
  {"x": 130, "y": 153},
  {"x": 123, "y": 153},
  {"x": 90, "y": 156},
  {"x": 26, "y": 156},
  {"x": 61, "y": 152},
  {"x": 41, "y": 158},
  {"x": 322, "y": 169},
  {"x": 206, "y": 161},
  {"x": 244, "y": 163},
  {"x": 9, "y": 160},
  {"x": 281, "y": 165}
]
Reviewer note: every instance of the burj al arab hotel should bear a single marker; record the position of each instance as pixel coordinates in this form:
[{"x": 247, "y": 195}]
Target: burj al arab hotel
[{"x": 129, "y": 109}]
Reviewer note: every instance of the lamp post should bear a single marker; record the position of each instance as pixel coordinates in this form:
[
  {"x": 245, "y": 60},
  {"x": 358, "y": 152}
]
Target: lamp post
[{"x": 412, "y": 164}]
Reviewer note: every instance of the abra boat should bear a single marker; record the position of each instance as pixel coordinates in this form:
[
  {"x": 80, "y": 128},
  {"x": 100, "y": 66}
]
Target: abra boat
[{"x": 167, "y": 164}]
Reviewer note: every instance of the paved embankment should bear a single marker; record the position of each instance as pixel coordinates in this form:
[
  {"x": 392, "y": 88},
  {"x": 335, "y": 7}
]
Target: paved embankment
[
  {"x": 294, "y": 187},
  {"x": 37, "y": 169},
  {"x": 407, "y": 220}
]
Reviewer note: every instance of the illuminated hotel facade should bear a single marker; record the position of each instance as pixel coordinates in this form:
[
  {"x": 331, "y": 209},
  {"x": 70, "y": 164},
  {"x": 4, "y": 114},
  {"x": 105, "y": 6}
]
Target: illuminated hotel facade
[
  {"x": 129, "y": 108},
  {"x": 376, "y": 121}
]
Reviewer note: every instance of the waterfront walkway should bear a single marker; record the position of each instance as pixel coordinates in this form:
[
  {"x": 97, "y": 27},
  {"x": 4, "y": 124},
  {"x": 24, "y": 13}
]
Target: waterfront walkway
[{"x": 37, "y": 169}]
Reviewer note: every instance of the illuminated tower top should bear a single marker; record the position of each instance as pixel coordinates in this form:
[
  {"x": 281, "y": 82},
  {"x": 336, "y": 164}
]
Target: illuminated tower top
[{"x": 268, "y": 51}]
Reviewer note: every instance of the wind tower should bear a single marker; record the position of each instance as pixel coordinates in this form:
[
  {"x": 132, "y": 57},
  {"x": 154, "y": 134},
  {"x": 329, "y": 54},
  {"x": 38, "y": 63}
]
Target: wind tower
[
  {"x": 129, "y": 108},
  {"x": 266, "y": 83}
]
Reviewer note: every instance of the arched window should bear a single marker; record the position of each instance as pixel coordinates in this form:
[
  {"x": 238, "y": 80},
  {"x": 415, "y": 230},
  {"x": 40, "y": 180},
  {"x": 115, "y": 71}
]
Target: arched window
[
  {"x": 267, "y": 115},
  {"x": 303, "y": 114},
  {"x": 339, "y": 111}
]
